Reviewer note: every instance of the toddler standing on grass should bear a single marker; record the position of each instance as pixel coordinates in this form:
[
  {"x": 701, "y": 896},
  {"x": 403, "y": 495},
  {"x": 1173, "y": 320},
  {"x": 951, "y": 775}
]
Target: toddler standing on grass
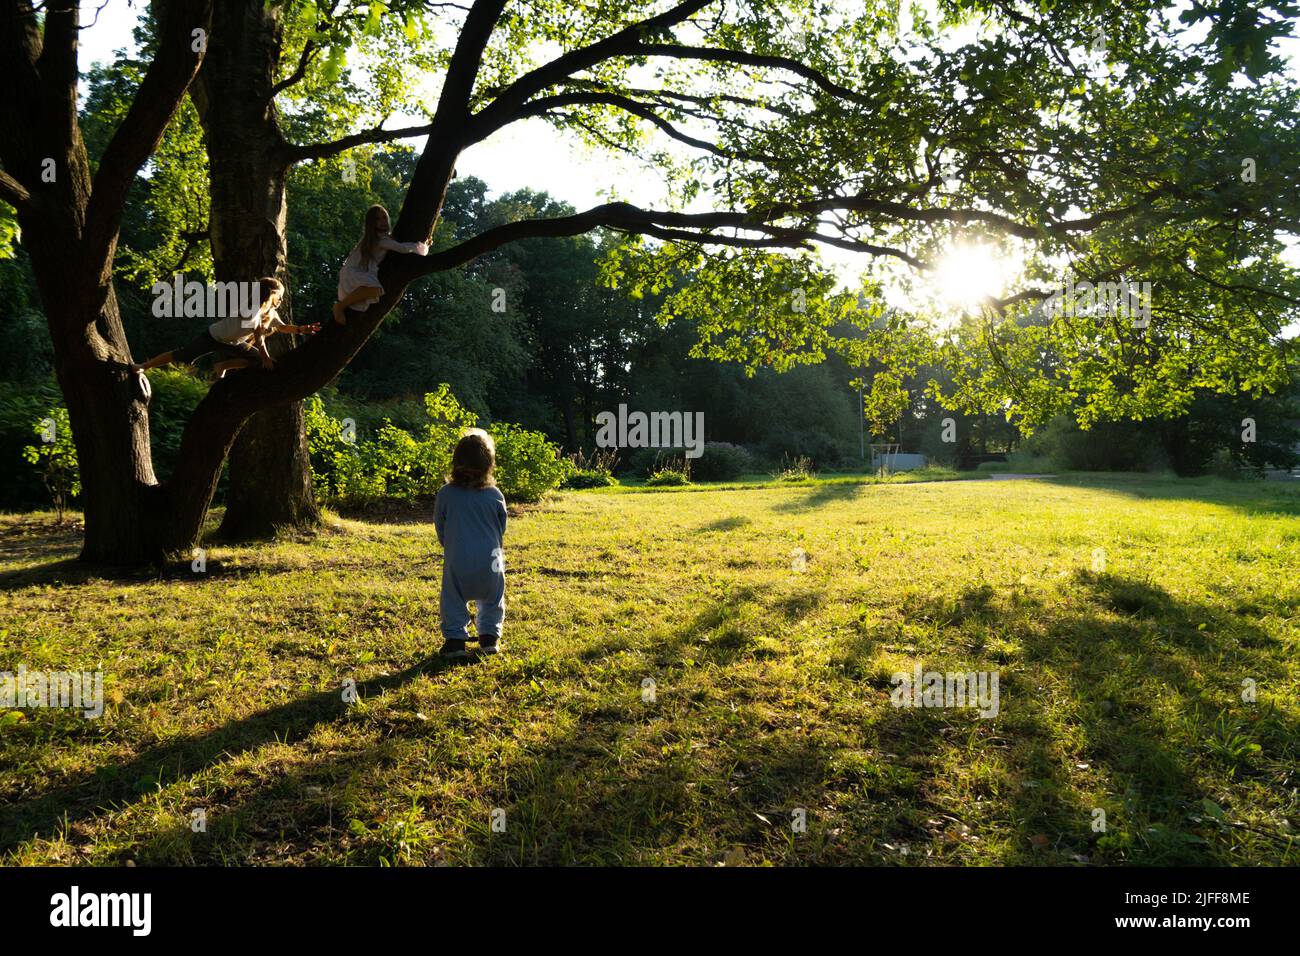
[{"x": 469, "y": 515}]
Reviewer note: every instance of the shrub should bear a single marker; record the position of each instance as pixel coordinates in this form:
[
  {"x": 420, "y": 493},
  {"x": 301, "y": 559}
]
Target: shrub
[
  {"x": 1025, "y": 462},
  {"x": 398, "y": 464},
  {"x": 447, "y": 421},
  {"x": 528, "y": 465},
  {"x": 405, "y": 466},
  {"x": 594, "y": 471},
  {"x": 639, "y": 462},
  {"x": 721, "y": 461},
  {"x": 796, "y": 470},
  {"x": 818, "y": 446},
  {"x": 1107, "y": 446},
  {"x": 665, "y": 477},
  {"x": 55, "y": 458},
  {"x": 1222, "y": 464},
  {"x": 669, "y": 470},
  {"x": 356, "y": 476},
  {"x": 176, "y": 392},
  {"x": 577, "y": 479},
  {"x": 19, "y": 407},
  {"x": 393, "y": 464},
  {"x": 331, "y": 456}
]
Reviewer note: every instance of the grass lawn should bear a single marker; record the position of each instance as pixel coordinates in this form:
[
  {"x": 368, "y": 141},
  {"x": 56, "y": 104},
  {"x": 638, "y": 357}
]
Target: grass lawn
[{"x": 1120, "y": 689}]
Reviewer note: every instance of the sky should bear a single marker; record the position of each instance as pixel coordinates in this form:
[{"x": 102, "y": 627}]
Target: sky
[
  {"x": 553, "y": 163},
  {"x": 532, "y": 153}
]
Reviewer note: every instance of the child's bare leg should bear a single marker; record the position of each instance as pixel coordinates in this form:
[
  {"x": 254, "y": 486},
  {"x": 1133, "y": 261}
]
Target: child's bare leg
[
  {"x": 164, "y": 359},
  {"x": 356, "y": 295},
  {"x": 228, "y": 365}
]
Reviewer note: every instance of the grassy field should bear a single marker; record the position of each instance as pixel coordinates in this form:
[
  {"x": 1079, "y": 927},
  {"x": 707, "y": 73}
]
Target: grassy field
[{"x": 1120, "y": 688}]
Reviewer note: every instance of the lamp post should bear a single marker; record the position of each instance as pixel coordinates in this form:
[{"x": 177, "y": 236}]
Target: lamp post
[{"x": 862, "y": 416}]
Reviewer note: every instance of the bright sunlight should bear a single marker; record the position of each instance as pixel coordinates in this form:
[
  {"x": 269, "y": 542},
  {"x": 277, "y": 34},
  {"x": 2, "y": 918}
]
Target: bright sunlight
[{"x": 969, "y": 273}]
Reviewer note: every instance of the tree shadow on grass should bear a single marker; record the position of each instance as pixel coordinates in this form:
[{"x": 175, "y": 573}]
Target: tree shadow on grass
[
  {"x": 714, "y": 777},
  {"x": 1124, "y": 701},
  {"x": 87, "y": 794},
  {"x": 72, "y": 571},
  {"x": 1248, "y": 497},
  {"x": 1152, "y": 685},
  {"x": 693, "y": 777},
  {"x": 731, "y": 523},
  {"x": 818, "y": 497},
  {"x": 710, "y": 776}
]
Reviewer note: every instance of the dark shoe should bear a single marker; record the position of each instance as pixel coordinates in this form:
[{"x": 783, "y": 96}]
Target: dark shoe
[
  {"x": 491, "y": 644},
  {"x": 452, "y": 648}
]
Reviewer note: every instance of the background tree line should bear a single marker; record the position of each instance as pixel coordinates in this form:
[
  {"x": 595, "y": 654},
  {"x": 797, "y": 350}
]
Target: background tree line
[{"x": 564, "y": 348}]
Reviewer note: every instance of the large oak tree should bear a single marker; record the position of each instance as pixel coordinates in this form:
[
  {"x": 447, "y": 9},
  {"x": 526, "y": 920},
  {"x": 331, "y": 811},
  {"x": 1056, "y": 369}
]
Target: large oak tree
[{"x": 1098, "y": 137}]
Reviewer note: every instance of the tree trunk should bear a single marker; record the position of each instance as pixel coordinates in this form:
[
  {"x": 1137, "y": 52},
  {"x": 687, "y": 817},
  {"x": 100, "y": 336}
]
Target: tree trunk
[
  {"x": 72, "y": 234},
  {"x": 125, "y": 510},
  {"x": 270, "y": 472},
  {"x": 275, "y": 491}
]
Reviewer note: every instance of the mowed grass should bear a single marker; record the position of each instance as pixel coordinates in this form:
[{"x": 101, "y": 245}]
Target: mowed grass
[{"x": 1121, "y": 690}]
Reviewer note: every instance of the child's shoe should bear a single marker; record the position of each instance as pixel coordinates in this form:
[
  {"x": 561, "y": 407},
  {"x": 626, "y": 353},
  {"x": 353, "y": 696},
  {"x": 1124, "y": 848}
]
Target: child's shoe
[
  {"x": 489, "y": 644},
  {"x": 143, "y": 390},
  {"x": 452, "y": 649}
]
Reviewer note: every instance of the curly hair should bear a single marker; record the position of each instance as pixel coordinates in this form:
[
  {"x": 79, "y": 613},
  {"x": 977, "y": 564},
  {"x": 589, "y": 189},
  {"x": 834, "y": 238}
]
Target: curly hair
[{"x": 473, "y": 461}]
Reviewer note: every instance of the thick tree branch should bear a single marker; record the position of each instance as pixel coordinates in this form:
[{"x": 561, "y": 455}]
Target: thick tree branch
[
  {"x": 762, "y": 60},
  {"x": 433, "y": 172},
  {"x": 57, "y": 63},
  {"x": 13, "y": 192},
  {"x": 295, "y": 153},
  {"x": 179, "y": 53},
  {"x": 624, "y": 42},
  {"x": 685, "y": 227},
  {"x": 544, "y": 104},
  {"x": 25, "y": 113}
]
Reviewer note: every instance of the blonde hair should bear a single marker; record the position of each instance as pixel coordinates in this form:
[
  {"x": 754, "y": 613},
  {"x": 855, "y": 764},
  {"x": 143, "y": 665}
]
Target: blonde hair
[
  {"x": 370, "y": 235},
  {"x": 270, "y": 292}
]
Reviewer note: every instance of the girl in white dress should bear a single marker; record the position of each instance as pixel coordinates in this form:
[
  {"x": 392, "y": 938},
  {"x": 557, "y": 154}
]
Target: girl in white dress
[{"x": 359, "y": 285}]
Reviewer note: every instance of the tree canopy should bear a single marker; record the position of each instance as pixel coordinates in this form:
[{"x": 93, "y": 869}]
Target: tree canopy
[{"x": 1091, "y": 143}]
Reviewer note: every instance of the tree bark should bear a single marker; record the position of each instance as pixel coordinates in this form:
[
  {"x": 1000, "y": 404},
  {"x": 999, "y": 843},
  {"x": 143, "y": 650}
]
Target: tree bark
[
  {"x": 70, "y": 228},
  {"x": 70, "y": 218},
  {"x": 270, "y": 471},
  {"x": 124, "y": 507}
]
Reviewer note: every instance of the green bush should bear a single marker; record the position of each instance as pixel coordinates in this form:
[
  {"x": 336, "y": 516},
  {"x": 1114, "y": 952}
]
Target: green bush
[
  {"x": 1062, "y": 445},
  {"x": 796, "y": 469},
  {"x": 1223, "y": 464},
  {"x": 579, "y": 478},
  {"x": 354, "y": 471},
  {"x": 528, "y": 465},
  {"x": 447, "y": 421},
  {"x": 1026, "y": 463},
  {"x": 820, "y": 447},
  {"x": 669, "y": 470},
  {"x": 638, "y": 462},
  {"x": 721, "y": 461},
  {"x": 594, "y": 471},
  {"x": 55, "y": 458},
  {"x": 19, "y": 407},
  {"x": 665, "y": 477}
]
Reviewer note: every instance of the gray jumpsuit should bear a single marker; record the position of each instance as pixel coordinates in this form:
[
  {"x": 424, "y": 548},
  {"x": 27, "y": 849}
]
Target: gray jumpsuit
[{"x": 470, "y": 524}]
